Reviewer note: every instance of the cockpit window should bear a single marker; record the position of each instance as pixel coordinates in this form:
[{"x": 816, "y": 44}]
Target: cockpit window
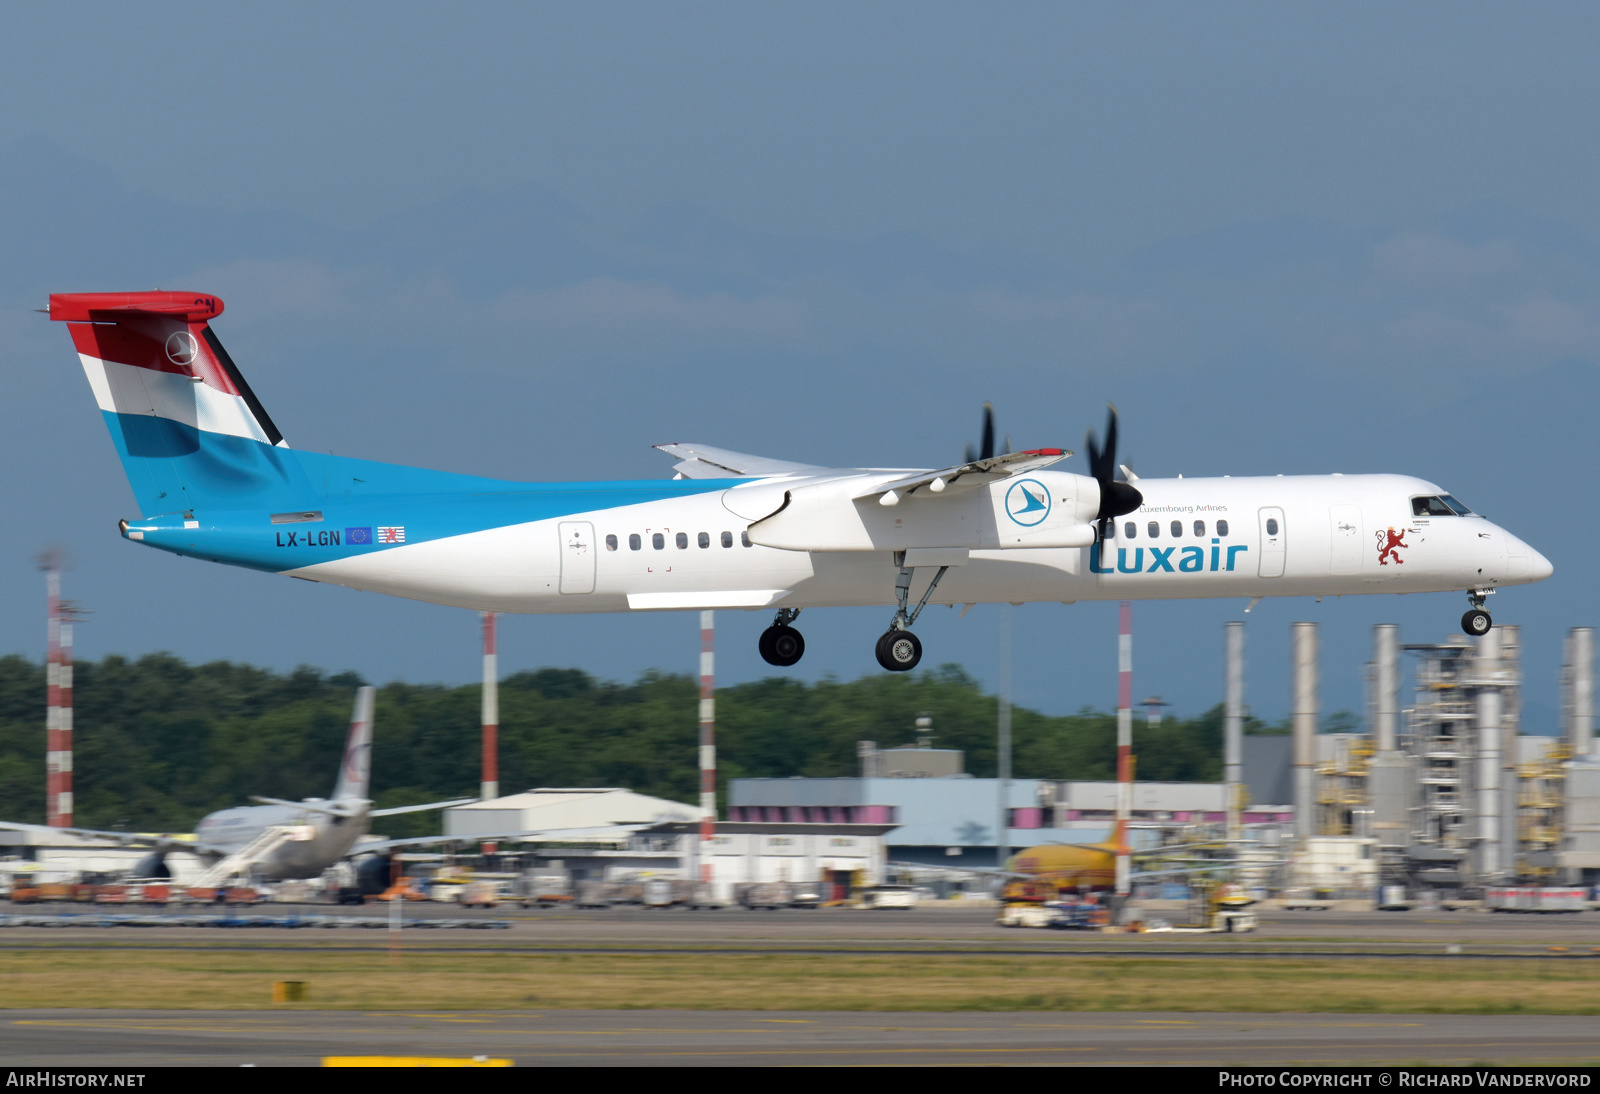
[
  {"x": 1431, "y": 507},
  {"x": 1461, "y": 510}
]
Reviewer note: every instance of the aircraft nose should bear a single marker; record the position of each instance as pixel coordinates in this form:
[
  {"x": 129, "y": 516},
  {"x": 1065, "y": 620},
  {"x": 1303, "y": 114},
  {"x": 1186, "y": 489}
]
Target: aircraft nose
[
  {"x": 1524, "y": 564},
  {"x": 1539, "y": 567}
]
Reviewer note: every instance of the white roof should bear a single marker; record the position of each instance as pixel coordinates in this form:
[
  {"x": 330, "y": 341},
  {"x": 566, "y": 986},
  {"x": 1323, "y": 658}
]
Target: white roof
[{"x": 559, "y": 808}]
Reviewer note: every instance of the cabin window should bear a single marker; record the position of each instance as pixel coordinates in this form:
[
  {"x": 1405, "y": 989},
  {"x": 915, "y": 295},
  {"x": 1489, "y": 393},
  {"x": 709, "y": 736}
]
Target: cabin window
[
  {"x": 633, "y": 542},
  {"x": 1431, "y": 507},
  {"x": 1130, "y": 530},
  {"x": 727, "y": 539},
  {"x": 1177, "y": 529},
  {"x": 1222, "y": 528},
  {"x": 611, "y": 543},
  {"x": 744, "y": 538},
  {"x": 683, "y": 541},
  {"x": 1272, "y": 526},
  {"x": 704, "y": 540},
  {"x": 1200, "y": 528},
  {"x": 1154, "y": 528},
  {"x": 658, "y": 541},
  {"x": 1111, "y": 530}
]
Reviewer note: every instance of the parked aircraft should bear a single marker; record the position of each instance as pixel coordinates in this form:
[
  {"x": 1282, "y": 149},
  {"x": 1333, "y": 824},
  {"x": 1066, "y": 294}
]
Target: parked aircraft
[
  {"x": 214, "y": 479},
  {"x": 278, "y": 839}
]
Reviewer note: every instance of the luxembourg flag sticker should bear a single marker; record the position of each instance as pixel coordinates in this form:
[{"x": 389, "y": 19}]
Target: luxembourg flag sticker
[{"x": 392, "y": 535}]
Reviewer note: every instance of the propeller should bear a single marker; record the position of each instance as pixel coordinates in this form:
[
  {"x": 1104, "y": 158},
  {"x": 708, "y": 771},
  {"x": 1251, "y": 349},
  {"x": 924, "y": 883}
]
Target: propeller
[
  {"x": 985, "y": 450},
  {"x": 1116, "y": 498}
]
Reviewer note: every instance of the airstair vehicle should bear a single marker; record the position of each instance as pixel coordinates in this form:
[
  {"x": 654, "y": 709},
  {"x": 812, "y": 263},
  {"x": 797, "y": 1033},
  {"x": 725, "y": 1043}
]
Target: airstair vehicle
[{"x": 242, "y": 861}]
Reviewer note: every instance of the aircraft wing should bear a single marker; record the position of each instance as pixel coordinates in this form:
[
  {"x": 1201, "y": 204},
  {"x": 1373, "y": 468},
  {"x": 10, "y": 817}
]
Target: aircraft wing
[
  {"x": 420, "y": 808},
  {"x": 127, "y": 839},
  {"x": 969, "y": 475},
  {"x": 700, "y": 461}
]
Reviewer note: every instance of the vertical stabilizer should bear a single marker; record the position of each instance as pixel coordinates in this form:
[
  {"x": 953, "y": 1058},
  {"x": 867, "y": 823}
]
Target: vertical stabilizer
[
  {"x": 189, "y": 430},
  {"x": 357, "y": 763}
]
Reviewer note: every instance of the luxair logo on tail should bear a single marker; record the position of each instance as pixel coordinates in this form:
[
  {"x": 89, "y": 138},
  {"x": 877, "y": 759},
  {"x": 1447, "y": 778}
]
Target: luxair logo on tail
[{"x": 1171, "y": 560}]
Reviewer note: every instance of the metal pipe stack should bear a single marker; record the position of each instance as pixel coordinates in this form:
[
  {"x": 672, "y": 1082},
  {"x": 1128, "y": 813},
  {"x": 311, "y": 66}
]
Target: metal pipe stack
[
  {"x": 1510, "y": 744},
  {"x": 1486, "y": 671},
  {"x": 1304, "y": 713},
  {"x": 1233, "y": 726},
  {"x": 1578, "y": 676},
  {"x": 1385, "y": 687}
]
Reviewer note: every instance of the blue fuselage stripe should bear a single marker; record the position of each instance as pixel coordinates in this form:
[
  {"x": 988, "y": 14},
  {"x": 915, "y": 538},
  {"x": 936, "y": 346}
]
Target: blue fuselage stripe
[{"x": 229, "y": 488}]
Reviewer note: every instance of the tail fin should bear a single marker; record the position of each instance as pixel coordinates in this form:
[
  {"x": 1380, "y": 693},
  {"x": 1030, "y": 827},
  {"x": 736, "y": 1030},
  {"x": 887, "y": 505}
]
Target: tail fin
[
  {"x": 190, "y": 432},
  {"x": 357, "y": 763}
]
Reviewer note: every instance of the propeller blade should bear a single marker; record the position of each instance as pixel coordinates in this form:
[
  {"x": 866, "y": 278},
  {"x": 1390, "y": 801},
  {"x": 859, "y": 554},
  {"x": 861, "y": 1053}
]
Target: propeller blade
[
  {"x": 1116, "y": 498},
  {"x": 987, "y": 445},
  {"x": 1111, "y": 440}
]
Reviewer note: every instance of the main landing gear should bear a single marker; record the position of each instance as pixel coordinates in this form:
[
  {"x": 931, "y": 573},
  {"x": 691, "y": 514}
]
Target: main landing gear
[
  {"x": 1477, "y": 622},
  {"x": 780, "y": 644},
  {"x": 899, "y": 650}
]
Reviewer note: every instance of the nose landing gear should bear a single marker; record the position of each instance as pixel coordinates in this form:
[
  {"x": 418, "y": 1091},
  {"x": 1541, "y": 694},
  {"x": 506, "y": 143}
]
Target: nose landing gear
[
  {"x": 1477, "y": 621},
  {"x": 780, "y": 644},
  {"x": 898, "y": 650}
]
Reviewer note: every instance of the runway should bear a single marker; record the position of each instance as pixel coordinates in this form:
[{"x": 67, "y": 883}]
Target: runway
[
  {"x": 665, "y": 1038},
  {"x": 927, "y": 929}
]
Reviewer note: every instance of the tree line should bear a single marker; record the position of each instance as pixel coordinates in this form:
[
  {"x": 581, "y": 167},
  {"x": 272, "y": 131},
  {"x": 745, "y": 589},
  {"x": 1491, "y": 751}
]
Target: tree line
[{"x": 159, "y": 742}]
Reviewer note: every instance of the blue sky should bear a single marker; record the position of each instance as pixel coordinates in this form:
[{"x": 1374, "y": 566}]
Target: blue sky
[{"x": 531, "y": 240}]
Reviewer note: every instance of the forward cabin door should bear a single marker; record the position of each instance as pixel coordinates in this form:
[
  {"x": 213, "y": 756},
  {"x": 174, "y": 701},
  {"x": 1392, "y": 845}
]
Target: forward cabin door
[
  {"x": 1273, "y": 538},
  {"x": 1344, "y": 533},
  {"x": 577, "y": 556}
]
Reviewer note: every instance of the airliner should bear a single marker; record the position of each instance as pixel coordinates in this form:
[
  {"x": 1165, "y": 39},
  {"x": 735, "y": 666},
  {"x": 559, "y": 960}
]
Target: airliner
[
  {"x": 278, "y": 839},
  {"x": 214, "y": 479}
]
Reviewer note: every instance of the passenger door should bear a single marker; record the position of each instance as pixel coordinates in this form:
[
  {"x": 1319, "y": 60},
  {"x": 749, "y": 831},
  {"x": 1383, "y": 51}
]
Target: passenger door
[
  {"x": 1273, "y": 537},
  {"x": 577, "y": 556}
]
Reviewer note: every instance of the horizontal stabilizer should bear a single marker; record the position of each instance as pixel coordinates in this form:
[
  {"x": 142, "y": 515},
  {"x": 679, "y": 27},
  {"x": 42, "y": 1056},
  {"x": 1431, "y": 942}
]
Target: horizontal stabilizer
[
  {"x": 698, "y": 461},
  {"x": 331, "y": 809}
]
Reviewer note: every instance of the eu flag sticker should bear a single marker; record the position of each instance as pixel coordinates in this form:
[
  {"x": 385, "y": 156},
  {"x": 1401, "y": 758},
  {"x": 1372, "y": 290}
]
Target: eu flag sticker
[{"x": 358, "y": 535}]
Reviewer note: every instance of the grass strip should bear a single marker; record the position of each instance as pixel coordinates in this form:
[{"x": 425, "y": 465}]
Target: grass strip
[{"x": 198, "y": 979}]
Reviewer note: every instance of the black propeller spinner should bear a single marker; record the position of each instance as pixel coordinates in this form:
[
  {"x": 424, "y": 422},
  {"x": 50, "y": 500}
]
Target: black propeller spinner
[
  {"x": 986, "y": 448},
  {"x": 1116, "y": 498}
]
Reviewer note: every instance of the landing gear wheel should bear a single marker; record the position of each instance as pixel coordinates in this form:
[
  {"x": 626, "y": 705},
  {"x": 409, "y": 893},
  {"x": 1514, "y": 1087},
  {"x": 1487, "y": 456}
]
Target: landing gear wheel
[
  {"x": 781, "y": 645},
  {"x": 1477, "y": 622},
  {"x": 899, "y": 651}
]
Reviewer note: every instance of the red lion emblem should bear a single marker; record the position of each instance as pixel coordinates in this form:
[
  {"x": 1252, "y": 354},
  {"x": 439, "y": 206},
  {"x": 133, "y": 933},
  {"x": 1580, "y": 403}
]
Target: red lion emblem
[{"x": 1389, "y": 544}]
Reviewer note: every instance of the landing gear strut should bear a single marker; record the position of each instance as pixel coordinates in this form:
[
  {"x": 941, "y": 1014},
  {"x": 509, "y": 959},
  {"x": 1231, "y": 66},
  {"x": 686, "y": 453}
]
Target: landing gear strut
[
  {"x": 1477, "y": 622},
  {"x": 780, "y": 644},
  {"x": 898, "y": 650}
]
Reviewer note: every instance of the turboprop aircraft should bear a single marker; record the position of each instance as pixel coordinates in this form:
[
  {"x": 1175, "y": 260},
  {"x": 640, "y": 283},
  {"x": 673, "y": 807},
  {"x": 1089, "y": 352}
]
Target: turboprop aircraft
[
  {"x": 278, "y": 839},
  {"x": 214, "y": 479}
]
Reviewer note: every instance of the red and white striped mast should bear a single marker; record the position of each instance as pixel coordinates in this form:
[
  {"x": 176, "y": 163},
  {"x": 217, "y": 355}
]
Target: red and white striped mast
[
  {"x": 58, "y": 701},
  {"x": 1124, "y": 746},
  {"x": 489, "y": 786},
  {"x": 708, "y": 742}
]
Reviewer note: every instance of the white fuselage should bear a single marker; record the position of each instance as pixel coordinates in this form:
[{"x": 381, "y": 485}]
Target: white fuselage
[
  {"x": 1335, "y": 535},
  {"x": 233, "y": 829}
]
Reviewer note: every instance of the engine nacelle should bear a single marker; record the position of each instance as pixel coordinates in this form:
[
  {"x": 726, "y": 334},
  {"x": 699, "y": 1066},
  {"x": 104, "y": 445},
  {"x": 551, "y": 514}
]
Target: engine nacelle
[{"x": 1040, "y": 509}]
